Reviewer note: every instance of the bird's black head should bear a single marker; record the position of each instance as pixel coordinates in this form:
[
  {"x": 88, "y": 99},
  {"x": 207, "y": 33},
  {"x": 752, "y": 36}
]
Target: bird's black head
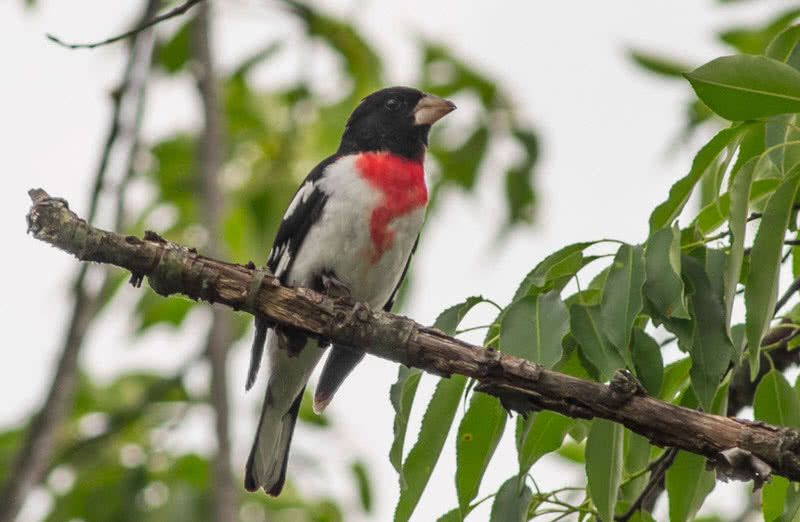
[{"x": 395, "y": 120}]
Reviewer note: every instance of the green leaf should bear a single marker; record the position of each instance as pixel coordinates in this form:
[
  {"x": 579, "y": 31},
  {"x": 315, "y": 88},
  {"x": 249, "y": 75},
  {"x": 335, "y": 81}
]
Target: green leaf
[
  {"x": 784, "y": 47},
  {"x": 622, "y": 295},
  {"x": 780, "y": 139},
  {"x": 402, "y": 395},
  {"x": 675, "y": 376},
  {"x": 174, "y": 54},
  {"x": 586, "y": 327},
  {"x": 773, "y": 498},
  {"x": 403, "y": 391},
  {"x": 449, "y": 320},
  {"x": 739, "y": 198},
  {"x": 754, "y": 39},
  {"x": 679, "y": 193},
  {"x": 658, "y": 64},
  {"x": 555, "y": 270},
  {"x": 688, "y": 484},
  {"x": 746, "y": 87},
  {"x": 512, "y": 501},
  {"x": 422, "y": 458},
  {"x": 478, "y": 435},
  {"x": 765, "y": 258},
  {"x": 637, "y": 456},
  {"x": 776, "y": 402},
  {"x": 460, "y": 165},
  {"x": 647, "y": 360},
  {"x": 364, "y": 489},
  {"x": 604, "y": 465},
  {"x": 153, "y": 309},
  {"x": 664, "y": 286},
  {"x": 710, "y": 346},
  {"x": 539, "y": 434},
  {"x": 533, "y": 327},
  {"x": 715, "y": 214}
]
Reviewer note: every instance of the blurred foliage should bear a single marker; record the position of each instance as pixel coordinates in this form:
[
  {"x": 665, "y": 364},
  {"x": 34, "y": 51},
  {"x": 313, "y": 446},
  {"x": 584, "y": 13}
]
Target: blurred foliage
[{"x": 112, "y": 459}]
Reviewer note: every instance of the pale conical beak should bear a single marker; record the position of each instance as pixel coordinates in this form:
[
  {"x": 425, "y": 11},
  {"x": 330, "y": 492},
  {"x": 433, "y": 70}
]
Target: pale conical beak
[{"x": 431, "y": 109}]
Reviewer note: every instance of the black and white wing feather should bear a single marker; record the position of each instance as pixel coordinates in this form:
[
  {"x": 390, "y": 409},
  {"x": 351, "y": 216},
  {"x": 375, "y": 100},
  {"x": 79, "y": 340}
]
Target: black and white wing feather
[{"x": 303, "y": 211}]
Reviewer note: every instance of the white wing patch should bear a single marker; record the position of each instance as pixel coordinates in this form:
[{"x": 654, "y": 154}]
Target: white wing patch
[
  {"x": 301, "y": 197},
  {"x": 283, "y": 257}
]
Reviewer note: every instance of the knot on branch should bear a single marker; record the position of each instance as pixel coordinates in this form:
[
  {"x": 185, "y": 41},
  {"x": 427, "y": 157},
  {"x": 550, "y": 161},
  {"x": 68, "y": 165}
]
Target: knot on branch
[
  {"x": 739, "y": 464},
  {"x": 623, "y": 387}
]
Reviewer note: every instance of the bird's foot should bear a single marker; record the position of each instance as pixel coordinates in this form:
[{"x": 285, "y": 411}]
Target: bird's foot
[{"x": 334, "y": 287}]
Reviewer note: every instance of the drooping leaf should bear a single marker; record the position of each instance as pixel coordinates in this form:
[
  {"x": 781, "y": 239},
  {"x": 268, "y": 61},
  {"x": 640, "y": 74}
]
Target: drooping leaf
[
  {"x": 637, "y": 456},
  {"x": 688, "y": 484},
  {"x": 664, "y": 66},
  {"x": 402, "y": 395},
  {"x": 739, "y": 197},
  {"x": 422, "y": 458},
  {"x": 604, "y": 448},
  {"x": 679, "y": 193},
  {"x": 710, "y": 346},
  {"x": 746, "y": 87},
  {"x": 478, "y": 434},
  {"x": 647, "y": 360},
  {"x": 664, "y": 286},
  {"x": 762, "y": 284},
  {"x": 773, "y": 498},
  {"x": 586, "y": 327},
  {"x": 403, "y": 391},
  {"x": 359, "y": 471},
  {"x": 538, "y": 435},
  {"x": 622, "y": 295},
  {"x": 776, "y": 402},
  {"x": 533, "y": 327},
  {"x": 512, "y": 501}
]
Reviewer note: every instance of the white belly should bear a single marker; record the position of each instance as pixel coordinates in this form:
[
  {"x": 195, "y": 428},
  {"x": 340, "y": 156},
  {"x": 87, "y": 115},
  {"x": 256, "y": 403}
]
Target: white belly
[{"x": 340, "y": 241}]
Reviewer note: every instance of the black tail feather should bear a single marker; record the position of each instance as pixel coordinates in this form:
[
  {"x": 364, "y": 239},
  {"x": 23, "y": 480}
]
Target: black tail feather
[{"x": 256, "y": 352}]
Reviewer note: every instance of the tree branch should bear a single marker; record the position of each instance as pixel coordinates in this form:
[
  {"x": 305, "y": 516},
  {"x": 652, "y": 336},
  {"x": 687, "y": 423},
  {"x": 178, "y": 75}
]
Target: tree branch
[
  {"x": 172, "y": 13},
  {"x": 521, "y": 385},
  {"x": 220, "y": 334}
]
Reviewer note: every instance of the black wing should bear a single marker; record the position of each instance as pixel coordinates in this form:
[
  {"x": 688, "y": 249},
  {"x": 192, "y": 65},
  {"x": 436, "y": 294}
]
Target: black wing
[
  {"x": 304, "y": 210},
  {"x": 343, "y": 359}
]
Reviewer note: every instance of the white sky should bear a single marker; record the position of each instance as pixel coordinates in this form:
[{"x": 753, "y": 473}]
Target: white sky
[{"x": 605, "y": 163}]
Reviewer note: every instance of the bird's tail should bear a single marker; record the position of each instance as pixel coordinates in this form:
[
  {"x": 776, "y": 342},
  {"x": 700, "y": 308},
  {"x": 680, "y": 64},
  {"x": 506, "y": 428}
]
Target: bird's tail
[{"x": 266, "y": 466}]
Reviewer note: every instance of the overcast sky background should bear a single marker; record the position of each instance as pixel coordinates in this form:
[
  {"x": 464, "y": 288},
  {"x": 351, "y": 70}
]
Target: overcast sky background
[{"x": 605, "y": 125}]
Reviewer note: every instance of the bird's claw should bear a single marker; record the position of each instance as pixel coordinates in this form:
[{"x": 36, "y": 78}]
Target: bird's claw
[{"x": 334, "y": 287}]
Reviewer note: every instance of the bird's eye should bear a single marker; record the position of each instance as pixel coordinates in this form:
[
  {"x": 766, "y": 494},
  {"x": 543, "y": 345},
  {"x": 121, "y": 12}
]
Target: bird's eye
[{"x": 392, "y": 104}]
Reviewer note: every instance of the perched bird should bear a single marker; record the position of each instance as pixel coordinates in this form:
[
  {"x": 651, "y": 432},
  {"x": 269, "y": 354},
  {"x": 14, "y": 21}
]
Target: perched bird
[{"x": 351, "y": 229}]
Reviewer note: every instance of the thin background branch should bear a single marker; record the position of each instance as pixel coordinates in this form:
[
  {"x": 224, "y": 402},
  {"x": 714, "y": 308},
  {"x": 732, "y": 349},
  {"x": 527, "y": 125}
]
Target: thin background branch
[
  {"x": 220, "y": 334},
  {"x": 149, "y": 22},
  {"x": 31, "y": 461}
]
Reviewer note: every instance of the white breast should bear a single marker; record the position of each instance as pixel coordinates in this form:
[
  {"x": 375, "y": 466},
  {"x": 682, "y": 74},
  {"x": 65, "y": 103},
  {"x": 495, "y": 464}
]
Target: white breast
[{"x": 340, "y": 240}]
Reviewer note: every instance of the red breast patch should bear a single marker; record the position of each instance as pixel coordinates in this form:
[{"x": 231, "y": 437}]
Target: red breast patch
[{"x": 402, "y": 182}]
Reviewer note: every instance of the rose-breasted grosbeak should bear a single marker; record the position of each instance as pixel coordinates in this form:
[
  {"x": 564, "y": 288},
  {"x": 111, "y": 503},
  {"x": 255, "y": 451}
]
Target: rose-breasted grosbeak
[{"x": 352, "y": 226}]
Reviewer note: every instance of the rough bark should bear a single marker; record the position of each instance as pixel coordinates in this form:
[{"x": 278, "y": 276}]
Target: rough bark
[{"x": 522, "y": 385}]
